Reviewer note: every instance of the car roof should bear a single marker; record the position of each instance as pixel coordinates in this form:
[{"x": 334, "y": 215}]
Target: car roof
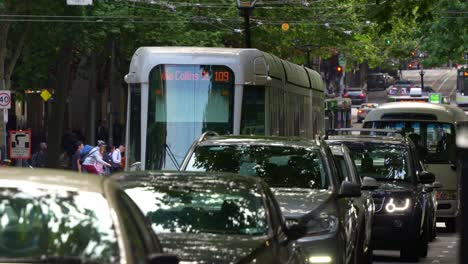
[
  {"x": 139, "y": 178},
  {"x": 51, "y": 179},
  {"x": 259, "y": 140}
]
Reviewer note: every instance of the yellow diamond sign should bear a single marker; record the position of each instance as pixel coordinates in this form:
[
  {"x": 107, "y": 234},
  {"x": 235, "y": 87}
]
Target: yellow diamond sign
[{"x": 46, "y": 95}]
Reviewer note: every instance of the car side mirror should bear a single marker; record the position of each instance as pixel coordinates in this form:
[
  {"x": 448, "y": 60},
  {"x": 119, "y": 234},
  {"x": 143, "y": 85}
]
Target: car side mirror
[
  {"x": 369, "y": 184},
  {"x": 426, "y": 177},
  {"x": 437, "y": 185},
  {"x": 349, "y": 189},
  {"x": 162, "y": 258},
  {"x": 296, "y": 231}
]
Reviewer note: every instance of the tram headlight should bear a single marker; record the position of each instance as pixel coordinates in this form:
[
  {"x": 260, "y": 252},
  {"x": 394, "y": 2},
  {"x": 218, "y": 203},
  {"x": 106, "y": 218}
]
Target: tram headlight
[{"x": 397, "y": 205}]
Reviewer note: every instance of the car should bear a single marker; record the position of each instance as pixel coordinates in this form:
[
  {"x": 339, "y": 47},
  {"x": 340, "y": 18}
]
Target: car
[
  {"x": 403, "y": 83},
  {"x": 357, "y": 95},
  {"x": 51, "y": 216},
  {"x": 378, "y": 81},
  {"x": 214, "y": 217},
  {"x": 364, "y": 109},
  {"x": 403, "y": 218},
  {"x": 305, "y": 181},
  {"x": 348, "y": 171}
]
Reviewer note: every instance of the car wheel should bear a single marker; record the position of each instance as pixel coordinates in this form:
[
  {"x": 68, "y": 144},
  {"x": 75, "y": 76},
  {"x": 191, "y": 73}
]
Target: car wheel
[
  {"x": 424, "y": 241},
  {"x": 450, "y": 225}
]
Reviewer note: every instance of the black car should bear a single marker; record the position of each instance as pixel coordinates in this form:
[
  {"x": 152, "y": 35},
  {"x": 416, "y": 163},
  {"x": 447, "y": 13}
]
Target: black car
[
  {"x": 51, "y": 216},
  {"x": 377, "y": 81},
  {"x": 404, "y": 213},
  {"x": 214, "y": 217},
  {"x": 305, "y": 181},
  {"x": 358, "y": 96}
]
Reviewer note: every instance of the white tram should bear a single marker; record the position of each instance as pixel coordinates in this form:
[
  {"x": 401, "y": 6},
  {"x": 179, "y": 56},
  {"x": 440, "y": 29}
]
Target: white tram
[{"x": 177, "y": 93}]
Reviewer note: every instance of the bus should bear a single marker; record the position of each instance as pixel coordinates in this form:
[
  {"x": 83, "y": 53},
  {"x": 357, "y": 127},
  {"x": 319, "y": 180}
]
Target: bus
[
  {"x": 435, "y": 128},
  {"x": 462, "y": 88},
  {"x": 177, "y": 93},
  {"x": 337, "y": 113}
]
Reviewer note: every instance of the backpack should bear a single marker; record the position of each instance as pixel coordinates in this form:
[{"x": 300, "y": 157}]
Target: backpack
[{"x": 85, "y": 152}]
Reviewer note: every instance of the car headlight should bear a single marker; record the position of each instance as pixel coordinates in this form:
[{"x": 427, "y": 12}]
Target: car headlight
[
  {"x": 397, "y": 205},
  {"x": 324, "y": 223},
  {"x": 446, "y": 195}
]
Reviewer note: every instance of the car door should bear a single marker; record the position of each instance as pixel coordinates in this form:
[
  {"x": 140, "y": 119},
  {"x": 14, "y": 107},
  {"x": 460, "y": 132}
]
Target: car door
[{"x": 350, "y": 209}]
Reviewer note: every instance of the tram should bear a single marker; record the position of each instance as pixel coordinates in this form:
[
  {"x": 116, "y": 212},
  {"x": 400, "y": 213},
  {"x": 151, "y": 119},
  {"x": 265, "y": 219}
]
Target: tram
[
  {"x": 178, "y": 93},
  {"x": 462, "y": 88}
]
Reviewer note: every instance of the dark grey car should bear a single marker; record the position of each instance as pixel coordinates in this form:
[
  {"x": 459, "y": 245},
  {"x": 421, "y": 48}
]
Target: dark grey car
[
  {"x": 304, "y": 179},
  {"x": 357, "y": 95},
  {"x": 214, "y": 217},
  {"x": 365, "y": 246}
]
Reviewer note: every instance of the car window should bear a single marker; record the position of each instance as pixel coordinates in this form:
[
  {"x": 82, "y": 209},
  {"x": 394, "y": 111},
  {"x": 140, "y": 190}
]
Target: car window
[
  {"x": 382, "y": 161},
  {"x": 279, "y": 166},
  {"x": 37, "y": 222},
  {"x": 342, "y": 168},
  {"x": 201, "y": 205}
]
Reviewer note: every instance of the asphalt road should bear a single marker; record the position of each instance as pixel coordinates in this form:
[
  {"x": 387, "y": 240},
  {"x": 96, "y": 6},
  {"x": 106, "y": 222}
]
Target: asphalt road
[{"x": 445, "y": 248}]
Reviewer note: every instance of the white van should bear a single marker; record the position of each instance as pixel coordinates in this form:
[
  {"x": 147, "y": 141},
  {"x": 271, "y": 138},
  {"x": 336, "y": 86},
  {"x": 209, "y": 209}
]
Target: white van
[{"x": 435, "y": 129}]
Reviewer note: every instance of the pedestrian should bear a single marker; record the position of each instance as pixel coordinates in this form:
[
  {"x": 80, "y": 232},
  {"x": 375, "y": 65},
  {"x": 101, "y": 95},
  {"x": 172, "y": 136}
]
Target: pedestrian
[
  {"x": 75, "y": 164},
  {"x": 94, "y": 157},
  {"x": 117, "y": 158},
  {"x": 39, "y": 159}
]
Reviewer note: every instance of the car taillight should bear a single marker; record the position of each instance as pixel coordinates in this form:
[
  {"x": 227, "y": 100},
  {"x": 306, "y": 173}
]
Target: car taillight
[
  {"x": 346, "y": 95},
  {"x": 360, "y": 111},
  {"x": 362, "y": 95}
]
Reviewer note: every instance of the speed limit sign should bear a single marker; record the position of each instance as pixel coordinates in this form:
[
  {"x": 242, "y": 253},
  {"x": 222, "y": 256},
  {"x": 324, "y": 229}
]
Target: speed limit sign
[{"x": 5, "y": 99}]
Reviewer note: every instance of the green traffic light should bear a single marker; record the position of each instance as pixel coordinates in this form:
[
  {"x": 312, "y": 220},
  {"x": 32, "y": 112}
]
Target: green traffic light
[{"x": 388, "y": 42}]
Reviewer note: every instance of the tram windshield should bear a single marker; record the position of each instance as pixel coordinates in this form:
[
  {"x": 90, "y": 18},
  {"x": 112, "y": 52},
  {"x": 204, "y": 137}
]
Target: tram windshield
[
  {"x": 435, "y": 141},
  {"x": 185, "y": 101}
]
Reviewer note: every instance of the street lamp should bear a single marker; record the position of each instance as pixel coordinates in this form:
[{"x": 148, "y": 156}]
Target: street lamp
[
  {"x": 246, "y": 7},
  {"x": 422, "y": 79}
]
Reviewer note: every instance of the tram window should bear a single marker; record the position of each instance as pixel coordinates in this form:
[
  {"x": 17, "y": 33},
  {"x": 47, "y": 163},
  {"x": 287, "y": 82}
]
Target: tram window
[
  {"x": 253, "y": 110},
  {"x": 133, "y": 153},
  {"x": 185, "y": 101}
]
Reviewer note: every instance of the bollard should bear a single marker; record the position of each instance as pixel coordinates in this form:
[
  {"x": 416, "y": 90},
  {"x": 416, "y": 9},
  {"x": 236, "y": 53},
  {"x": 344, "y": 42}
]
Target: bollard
[{"x": 462, "y": 145}]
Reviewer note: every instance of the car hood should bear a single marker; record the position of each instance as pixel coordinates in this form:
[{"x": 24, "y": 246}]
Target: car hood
[
  {"x": 386, "y": 188},
  {"x": 210, "y": 248},
  {"x": 296, "y": 202}
]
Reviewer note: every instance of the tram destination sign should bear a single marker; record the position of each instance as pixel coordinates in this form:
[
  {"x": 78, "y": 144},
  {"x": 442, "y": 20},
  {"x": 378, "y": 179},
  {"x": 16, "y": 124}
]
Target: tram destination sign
[{"x": 221, "y": 74}]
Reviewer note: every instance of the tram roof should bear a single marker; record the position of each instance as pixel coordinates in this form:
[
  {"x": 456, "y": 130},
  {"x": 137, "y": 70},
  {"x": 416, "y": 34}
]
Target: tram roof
[
  {"x": 250, "y": 66},
  {"x": 442, "y": 112}
]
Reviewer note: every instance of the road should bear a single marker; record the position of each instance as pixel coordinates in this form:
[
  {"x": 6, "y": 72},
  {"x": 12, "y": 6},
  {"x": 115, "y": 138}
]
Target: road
[{"x": 444, "y": 249}]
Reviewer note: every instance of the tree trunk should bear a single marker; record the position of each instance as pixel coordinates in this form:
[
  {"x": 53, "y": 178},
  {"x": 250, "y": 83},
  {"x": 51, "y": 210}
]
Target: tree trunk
[
  {"x": 363, "y": 68},
  {"x": 56, "y": 118}
]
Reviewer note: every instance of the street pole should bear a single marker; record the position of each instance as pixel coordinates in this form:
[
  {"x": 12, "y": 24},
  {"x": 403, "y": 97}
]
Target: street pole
[
  {"x": 246, "y": 6},
  {"x": 248, "y": 41},
  {"x": 422, "y": 79}
]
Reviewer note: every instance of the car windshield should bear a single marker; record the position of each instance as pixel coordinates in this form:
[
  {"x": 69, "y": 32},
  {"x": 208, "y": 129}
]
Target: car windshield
[
  {"x": 279, "y": 166},
  {"x": 434, "y": 141},
  {"x": 201, "y": 205},
  {"x": 37, "y": 222},
  {"x": 381, "y": 161}
]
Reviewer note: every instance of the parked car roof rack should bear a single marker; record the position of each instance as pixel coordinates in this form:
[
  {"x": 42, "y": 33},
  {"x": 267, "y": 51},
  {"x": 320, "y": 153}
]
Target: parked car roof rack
[
  {"x": 367, "y": 132},
  {"x": 207, "y": 134}
]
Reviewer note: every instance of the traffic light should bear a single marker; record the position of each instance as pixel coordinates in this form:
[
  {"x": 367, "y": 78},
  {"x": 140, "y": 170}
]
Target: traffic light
[
  {"x": 339, "y": 69},
  {"x": 388, "y": 41},
  {"x": 413, "y": 53}
]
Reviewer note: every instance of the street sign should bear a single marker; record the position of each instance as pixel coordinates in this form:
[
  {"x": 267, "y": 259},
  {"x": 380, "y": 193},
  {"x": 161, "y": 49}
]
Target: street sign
[
  {"x": 341, "y": 60},
  {"x": 79, "y": 2},
  {"x": 20, "y": 144},
  {"x": 5, "y": 99},
  {"x": 46, "y": 95},
  {"x": 435, "y": 98}
]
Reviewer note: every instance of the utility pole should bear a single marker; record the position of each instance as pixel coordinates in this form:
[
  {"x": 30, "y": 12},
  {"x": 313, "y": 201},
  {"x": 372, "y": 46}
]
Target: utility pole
[{"x": 246, "y": 7}]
